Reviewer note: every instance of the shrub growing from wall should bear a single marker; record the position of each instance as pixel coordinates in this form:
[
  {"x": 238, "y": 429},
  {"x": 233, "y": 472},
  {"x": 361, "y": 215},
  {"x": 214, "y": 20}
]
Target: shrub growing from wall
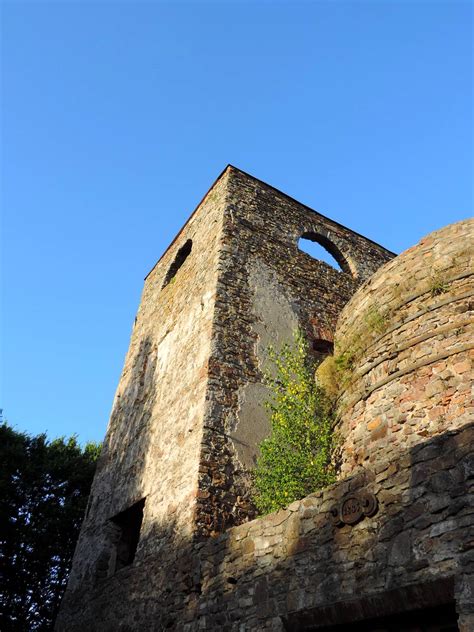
[{"x": 295, "y": 460}]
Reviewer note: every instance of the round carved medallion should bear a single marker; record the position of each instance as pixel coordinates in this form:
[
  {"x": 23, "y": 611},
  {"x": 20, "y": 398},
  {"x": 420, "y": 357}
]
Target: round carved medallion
[{"x": 351, "y": 510}]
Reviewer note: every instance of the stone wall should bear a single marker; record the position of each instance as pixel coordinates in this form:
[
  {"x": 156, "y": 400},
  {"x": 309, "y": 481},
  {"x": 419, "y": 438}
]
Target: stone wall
[
  {"x": 408, "y": 335},
  {"x": 187, "y": 415},
  {"x": 297, "y": 570},
  {"x": 153, "y": 441},
  {"x": 296, "y": 566},
  {"x": 266, "y": 289}
]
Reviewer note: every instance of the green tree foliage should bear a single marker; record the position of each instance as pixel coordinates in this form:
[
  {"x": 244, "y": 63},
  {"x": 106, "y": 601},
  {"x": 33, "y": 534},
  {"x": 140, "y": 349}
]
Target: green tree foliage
[
  {"x": 44, "y": 486},
  {"x": 295, "y": 460}
]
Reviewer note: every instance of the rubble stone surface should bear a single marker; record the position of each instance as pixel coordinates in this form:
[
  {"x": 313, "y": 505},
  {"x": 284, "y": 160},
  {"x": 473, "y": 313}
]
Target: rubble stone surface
[{"x": 187, "y": 419}]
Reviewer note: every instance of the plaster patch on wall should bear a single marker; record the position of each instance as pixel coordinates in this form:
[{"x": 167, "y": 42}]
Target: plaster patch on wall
[
  {"x": 275, "y": 322},
  {"x": 252, "y": 424}
]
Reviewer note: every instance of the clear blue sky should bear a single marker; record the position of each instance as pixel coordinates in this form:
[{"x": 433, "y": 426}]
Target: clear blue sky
[{"x": 117, "y": 117}]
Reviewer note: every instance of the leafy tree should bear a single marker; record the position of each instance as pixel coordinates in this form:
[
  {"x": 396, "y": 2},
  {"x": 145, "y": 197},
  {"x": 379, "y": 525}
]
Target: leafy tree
[
  {"x": 44, "y": 486},
  {"x": 295, "y": 460}
]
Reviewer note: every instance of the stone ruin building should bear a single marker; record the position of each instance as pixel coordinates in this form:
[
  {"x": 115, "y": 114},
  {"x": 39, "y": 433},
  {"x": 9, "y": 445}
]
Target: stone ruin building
[{"x": 170, "y": 540}]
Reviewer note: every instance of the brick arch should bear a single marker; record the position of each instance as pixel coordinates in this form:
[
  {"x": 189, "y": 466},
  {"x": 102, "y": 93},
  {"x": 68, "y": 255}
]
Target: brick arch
[{"x": 334, "y": 247}]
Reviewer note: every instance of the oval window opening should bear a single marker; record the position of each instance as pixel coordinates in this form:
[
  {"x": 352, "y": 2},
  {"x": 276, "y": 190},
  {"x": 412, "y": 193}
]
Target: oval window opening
[
  {"x": 182, "y": 255},
  {"x": 322, "y": 249}
]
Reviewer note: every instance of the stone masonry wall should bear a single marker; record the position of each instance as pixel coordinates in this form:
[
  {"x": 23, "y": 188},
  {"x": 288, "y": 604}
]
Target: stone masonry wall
[
  {"x": 297, "y": 570},
  {"x": 411, "y": 332},
  {"x": 186, "y": 418},
  {"x": 267, "y": 288},
  {"x": 296, "y": 566},
  {"x": 154, "y": 436},
  {"x": 181, "y": 433}
]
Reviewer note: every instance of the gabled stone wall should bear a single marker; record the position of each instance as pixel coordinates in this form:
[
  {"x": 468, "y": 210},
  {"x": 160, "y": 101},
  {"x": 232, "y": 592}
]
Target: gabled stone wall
[
  {"x": 267, "y": 288},
  {"x": 152, "y": 447}
]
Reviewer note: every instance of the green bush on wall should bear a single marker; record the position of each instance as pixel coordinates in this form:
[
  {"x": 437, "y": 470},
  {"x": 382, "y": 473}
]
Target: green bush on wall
[{"x": 295, "y": 460}]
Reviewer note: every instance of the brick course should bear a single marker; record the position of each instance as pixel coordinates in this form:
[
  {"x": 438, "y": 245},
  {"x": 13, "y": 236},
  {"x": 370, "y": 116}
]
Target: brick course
[{"x": 413, "y": 377}]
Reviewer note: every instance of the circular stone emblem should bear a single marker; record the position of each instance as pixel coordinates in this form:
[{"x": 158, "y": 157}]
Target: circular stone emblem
[{"x": 351, "y": 510}]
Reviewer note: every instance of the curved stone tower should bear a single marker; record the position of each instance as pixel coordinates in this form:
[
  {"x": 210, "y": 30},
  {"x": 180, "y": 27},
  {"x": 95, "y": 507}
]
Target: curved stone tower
[{"x": 404, "y": 344}]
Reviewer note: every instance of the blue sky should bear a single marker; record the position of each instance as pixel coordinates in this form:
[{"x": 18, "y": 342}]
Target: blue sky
[{"x": 117, "y": 117}]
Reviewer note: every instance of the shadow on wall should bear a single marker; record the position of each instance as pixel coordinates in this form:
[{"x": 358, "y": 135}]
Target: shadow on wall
[
  {"x": 120, "y": 471},
  {"x": 121, "y": 548},
  {"x": 296, "y": 570},
  {"x": 292, "y": 570}
]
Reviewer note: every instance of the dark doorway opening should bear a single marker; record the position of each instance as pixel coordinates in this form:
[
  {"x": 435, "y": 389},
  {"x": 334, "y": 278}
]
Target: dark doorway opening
[
  {"x": 427, "y": 607},
  {"x": 439, "y": 619}
]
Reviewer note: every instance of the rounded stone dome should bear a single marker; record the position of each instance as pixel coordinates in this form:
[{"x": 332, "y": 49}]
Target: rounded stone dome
[{"x": 404, "y": 346}]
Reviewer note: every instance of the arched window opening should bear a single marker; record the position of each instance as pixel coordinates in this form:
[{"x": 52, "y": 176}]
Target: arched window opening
[
  {"x": 320, "y": 248},
  {"x": 182, "y": 255}
]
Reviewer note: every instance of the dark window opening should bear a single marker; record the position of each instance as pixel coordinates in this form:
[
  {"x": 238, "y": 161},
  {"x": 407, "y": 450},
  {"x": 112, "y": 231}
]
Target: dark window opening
[
  {"x": 182, "y": 255},
  {"x": 324, "y": 347},
  {"x": 129, "y": 523},
  {"x": 320, "y": 248}
]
